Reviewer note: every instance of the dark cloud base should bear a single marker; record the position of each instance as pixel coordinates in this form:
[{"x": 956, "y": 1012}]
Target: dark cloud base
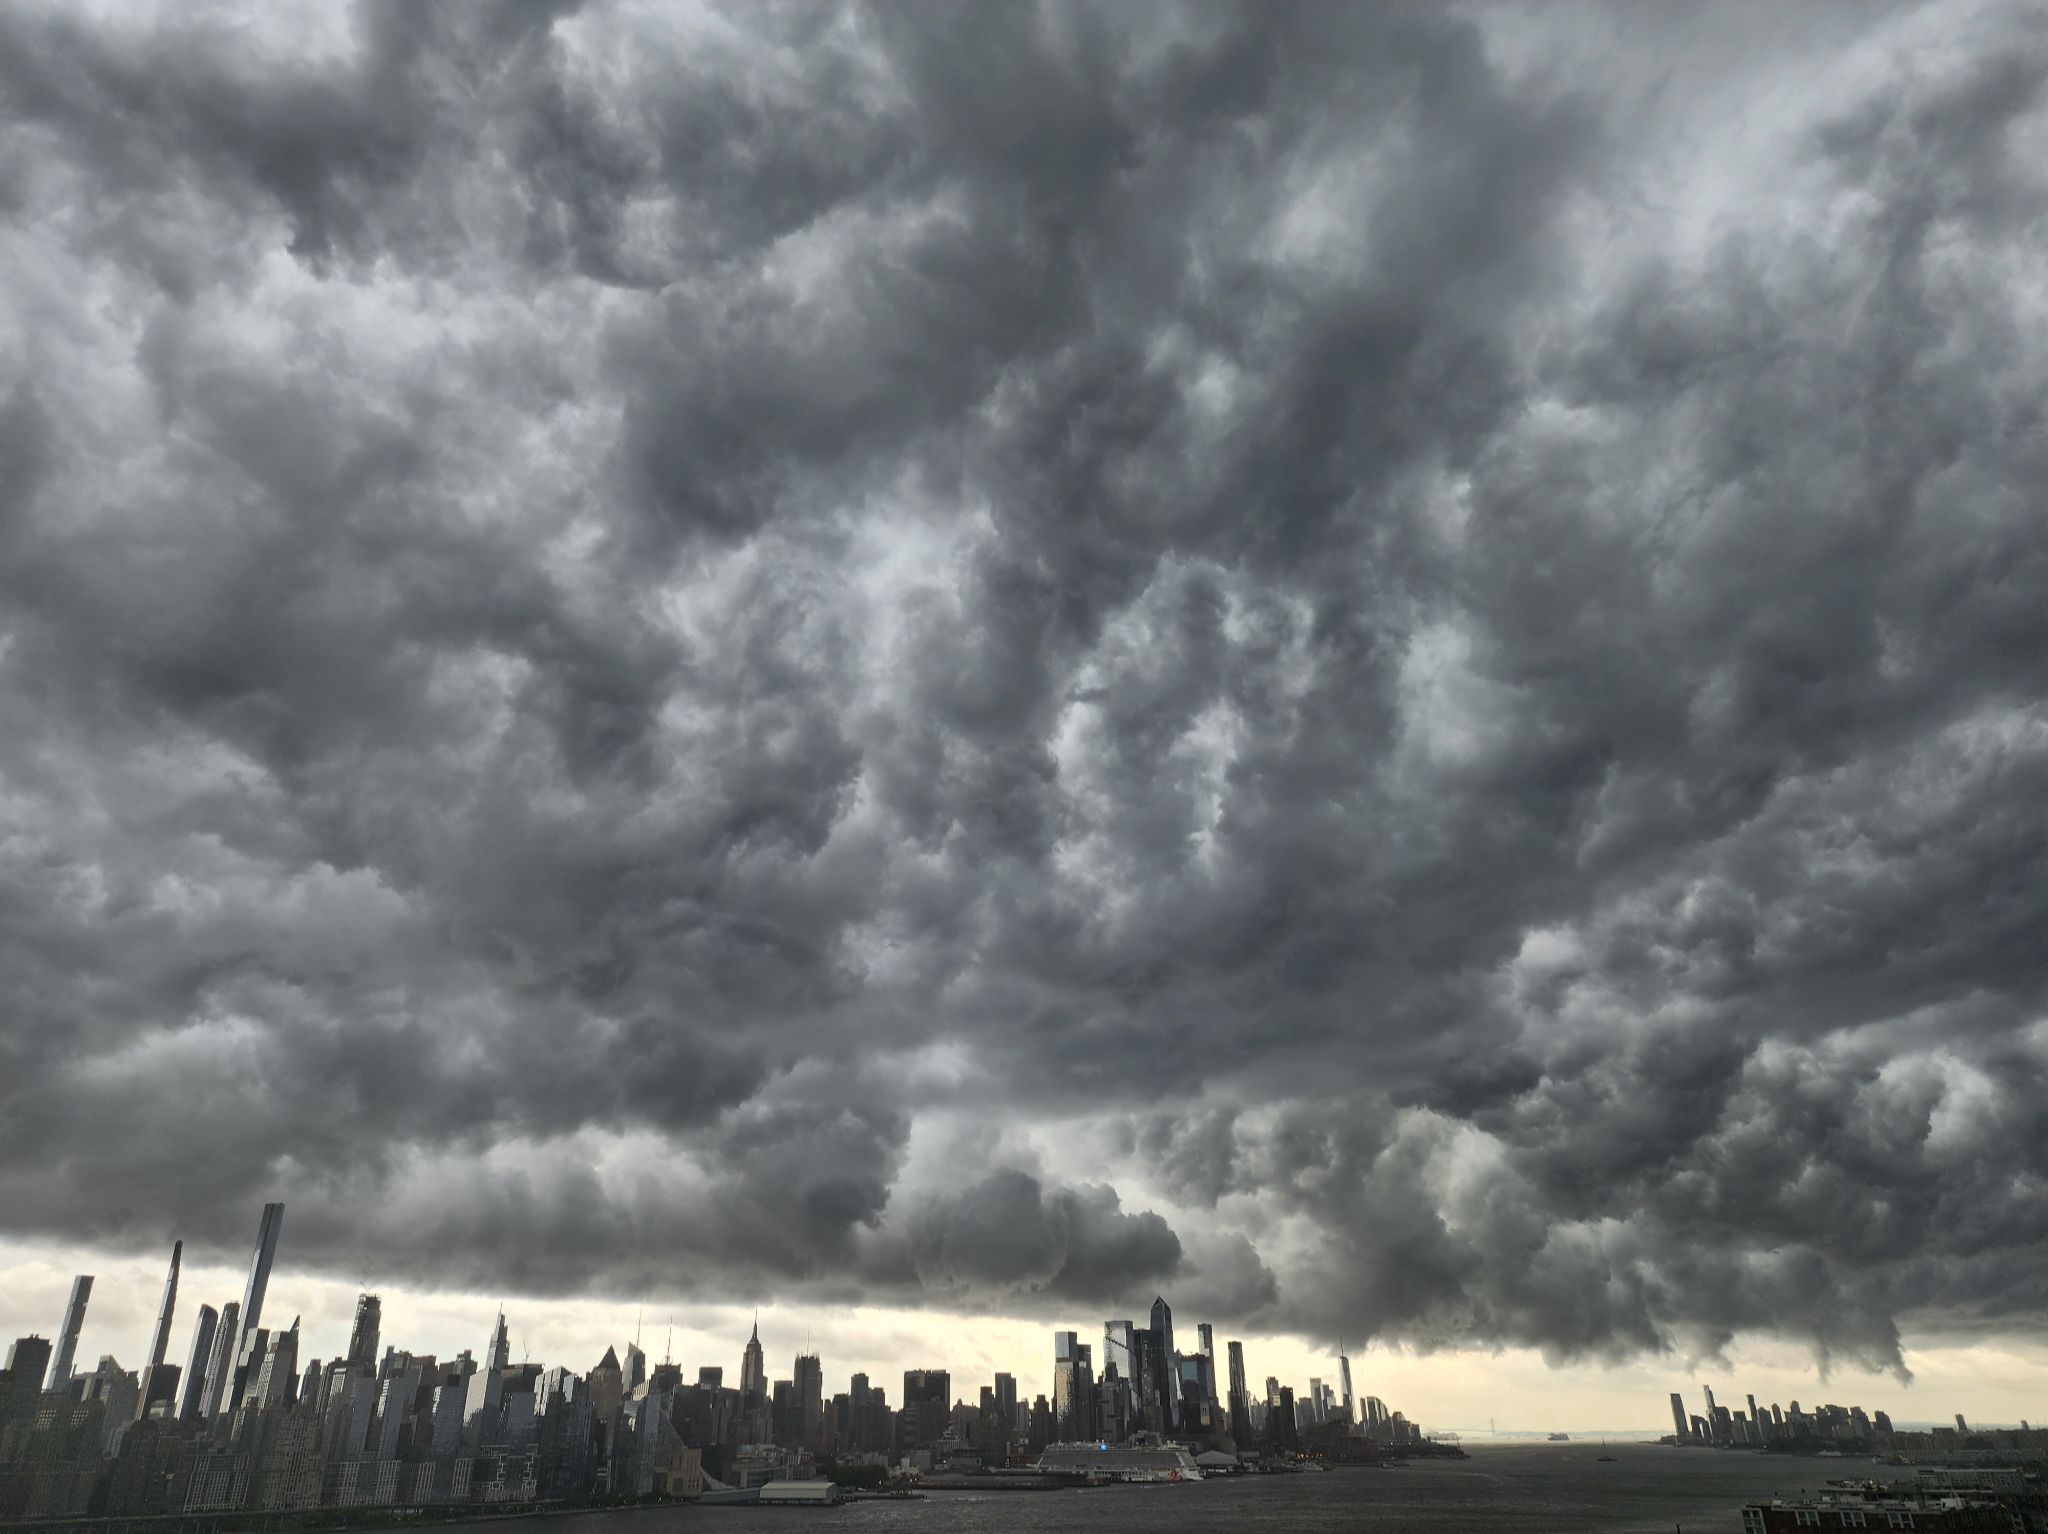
[{"x": 830, "y": 650}]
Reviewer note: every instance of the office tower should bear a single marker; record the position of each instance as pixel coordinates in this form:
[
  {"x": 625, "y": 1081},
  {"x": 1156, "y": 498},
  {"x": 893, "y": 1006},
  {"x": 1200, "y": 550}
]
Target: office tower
[
  {"x": 809, "y": 1380},
  {"x": 753, "y": 1371},
  {"x": 1344, "y": 1385},
  {"x": 220, "y": 1362},
  {"x": 1156, "y": 1379},
  {"x": 160, "y": 1341},
  {"x": 1006, "y": 1399},
  {"x": 1961, "y": 1425},
  {"x": 67, "y": 1339},
  {"x": 483, "y": 1401},
  {"x": 1757, "y": 1422},
  {"x": 501, "y": 1347},
  {"x": 927, "y": 1406},
  {"x": 1169, "y": 1373},
  {"x": 362, "y": 1337},
  {"x": 1240, "y": 1397},
  {"x": 1073, "y": 1388},
  {"x": 636, "y": 1367},
  {"x": 1678, "y": 1427},
  {"x": 28, "y": 1362},
  {"x": 1120, "y": 1351},
  {"x": 1191, "y": 1386}
]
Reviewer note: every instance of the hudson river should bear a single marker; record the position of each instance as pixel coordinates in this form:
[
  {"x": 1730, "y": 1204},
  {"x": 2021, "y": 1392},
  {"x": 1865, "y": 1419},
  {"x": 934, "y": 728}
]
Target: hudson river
[{"x": 1501, "y": 1489}]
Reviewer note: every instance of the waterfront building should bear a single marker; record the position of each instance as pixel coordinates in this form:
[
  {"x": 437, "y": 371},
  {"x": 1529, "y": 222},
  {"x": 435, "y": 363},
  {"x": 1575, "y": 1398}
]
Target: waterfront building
[
  {"x": 1073, "y": 1388},
  {"x": 1163, "y": 1373},
  {"x": 1240, "y": 1400}
]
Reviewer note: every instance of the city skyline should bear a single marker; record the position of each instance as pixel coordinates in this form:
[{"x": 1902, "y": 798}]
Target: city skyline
[
  {"x": 938, "y": 670},
  {"x": 1472, "y": 1391}
]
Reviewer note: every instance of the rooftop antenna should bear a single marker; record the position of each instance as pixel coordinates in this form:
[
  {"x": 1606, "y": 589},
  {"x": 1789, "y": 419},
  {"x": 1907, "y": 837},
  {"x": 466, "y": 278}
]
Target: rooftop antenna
[{"x": 669, "y": 1345}]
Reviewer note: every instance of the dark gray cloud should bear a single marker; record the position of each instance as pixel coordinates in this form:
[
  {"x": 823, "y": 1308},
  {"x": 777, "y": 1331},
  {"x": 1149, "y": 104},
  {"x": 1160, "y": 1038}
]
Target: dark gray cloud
[{"x": 1381, "y": 668}]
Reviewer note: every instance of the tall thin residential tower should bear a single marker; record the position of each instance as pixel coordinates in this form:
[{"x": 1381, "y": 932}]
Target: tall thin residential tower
[
  {"x": 74, "y": 1323},
  {"x": 251, "y": 1313},
  {"x": 220, "y": 1368},
  {"x": 156, "y": 1386},
  {"x": 192, "y": 1404}
]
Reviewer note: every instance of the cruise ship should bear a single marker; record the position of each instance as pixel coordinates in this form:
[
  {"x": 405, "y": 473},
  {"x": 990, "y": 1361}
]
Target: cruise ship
[{"x": 1146, "y": 1459}]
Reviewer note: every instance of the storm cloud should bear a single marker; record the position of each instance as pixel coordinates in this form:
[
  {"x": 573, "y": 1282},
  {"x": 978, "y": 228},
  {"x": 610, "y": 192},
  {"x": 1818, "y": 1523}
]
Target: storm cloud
[{"x": 1381, "y": 667}]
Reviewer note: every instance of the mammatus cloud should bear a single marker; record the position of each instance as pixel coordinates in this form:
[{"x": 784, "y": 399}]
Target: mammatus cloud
[{"x": 1384, "y": 667}]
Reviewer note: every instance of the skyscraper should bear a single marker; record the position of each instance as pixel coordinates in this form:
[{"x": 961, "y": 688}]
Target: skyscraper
[
  {"x": 1073, "y": 1389},
  {"x": 278, "y": 1376},
  {"x": 1240, "y": 1401},
  {"x": 483, "y": 1402},
  {"x": 1158, "y": 1371},
  {"x": 1162, "y": 1323},
  {"x": 1344, "y": 1385},
  {"x": 67, "y": 1339},
  {"x": 1120, "y": 1350},
  {"x": 220, "y": 1366},
  {"x": 1678, "y": 1417},
  {"x": 1006, "y": 1399},
  {"x": 753, "y": 1370},
  {"x": 362, "y": 1338},
  {"x": 809, "y": 1379},
  {"x": 192, "y": 1404},
  {"x": 927, "y": 1405},
  {"x": 252, "y": 1297},
  {"x": 153, "y": 1382}
]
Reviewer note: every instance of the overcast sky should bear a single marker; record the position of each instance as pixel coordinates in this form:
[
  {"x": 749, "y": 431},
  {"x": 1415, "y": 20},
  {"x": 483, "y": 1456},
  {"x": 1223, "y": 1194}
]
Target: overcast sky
[{"x": 1381, "y": 668}]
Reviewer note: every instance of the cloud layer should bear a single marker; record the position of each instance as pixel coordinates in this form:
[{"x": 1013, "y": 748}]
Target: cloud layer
[{"x": 1381, "y": 668}]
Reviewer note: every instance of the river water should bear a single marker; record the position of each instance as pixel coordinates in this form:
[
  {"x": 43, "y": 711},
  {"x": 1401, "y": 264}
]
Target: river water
[{"x": 1501, "y": 1489}]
